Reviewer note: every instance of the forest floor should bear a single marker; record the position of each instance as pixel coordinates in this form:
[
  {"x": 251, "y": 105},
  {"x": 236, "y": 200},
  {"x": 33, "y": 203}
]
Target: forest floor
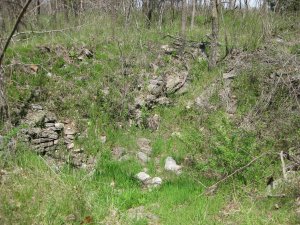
[{"x": 122, "y": 125}]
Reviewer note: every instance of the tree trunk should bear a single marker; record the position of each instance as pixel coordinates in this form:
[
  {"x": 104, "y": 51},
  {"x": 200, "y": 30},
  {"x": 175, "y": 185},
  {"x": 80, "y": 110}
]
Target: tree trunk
[
  {"x": 161, "y": 13},
  {"x": 215, "y": 34},
  {"x": 193, "y": 14},
  {"x": 183, "y": 18},
  {"x": 3, "y": 101}
]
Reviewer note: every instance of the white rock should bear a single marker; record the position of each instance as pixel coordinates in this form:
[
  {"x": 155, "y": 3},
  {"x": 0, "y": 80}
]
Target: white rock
[
  {"x": 155, "y": 181},
  {"x": 142, "y": 176},
  {"x": 59, "y": 126},
  {"x": 143, "y": 157},
  {"x": 171, "y": 165},
  {"x": 103, "y": 139}
]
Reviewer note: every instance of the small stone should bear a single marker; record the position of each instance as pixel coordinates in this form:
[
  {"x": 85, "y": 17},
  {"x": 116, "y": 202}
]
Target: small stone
[
  {"x": 50, "y": 118},
  {"x": 76, "y": 151},
  {"x": 229, "y": 75},
  {"x": 69, "y": 131},
  {"x": 171, "y": 165},
  {"x": 67, "y": 140},
  {"x": 71, "y": 137},
  {"x": 36, "y": 107},
  {"x": 59, "y": 126},
  {"x": 49, "y": 124},
  {"x": 70, "y": 146},
  {"x": 154, "y": 182},
  {"x": 142, "y": 176},
  {"x": 40, "y": 140},
  {"x": 56, "y": 142},
  {"x": 103, "y": 139},
  {"x": 143, "y": 157}
]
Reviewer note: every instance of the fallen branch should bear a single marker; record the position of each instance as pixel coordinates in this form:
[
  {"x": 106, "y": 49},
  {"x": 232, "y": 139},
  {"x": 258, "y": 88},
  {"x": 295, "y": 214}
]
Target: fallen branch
[
  {"x": 45, "y": 31},
  {"x": 213, "y": 187}
]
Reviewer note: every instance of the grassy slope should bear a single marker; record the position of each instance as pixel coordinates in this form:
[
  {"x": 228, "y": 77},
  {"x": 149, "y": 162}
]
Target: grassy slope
[{"x": 35, "y": 194}]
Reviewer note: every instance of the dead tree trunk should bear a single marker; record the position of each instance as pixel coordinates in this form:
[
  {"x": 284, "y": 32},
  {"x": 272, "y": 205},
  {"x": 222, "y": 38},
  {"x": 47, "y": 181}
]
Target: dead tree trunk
[
  {"x": 215, "y": 34},
  {"x": 183, "y": 18},
  {"x": 193, "y": 14}
]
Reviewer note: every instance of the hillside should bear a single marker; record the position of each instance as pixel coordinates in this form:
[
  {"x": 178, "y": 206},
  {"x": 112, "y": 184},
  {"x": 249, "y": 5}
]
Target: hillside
[{"x": 114, "y": 124}]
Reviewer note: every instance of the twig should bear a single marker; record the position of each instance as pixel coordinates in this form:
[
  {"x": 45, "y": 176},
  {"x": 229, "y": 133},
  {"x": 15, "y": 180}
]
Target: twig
[
  {"x": 14, "y": 30},
  {"x": 214, "y": 186}
]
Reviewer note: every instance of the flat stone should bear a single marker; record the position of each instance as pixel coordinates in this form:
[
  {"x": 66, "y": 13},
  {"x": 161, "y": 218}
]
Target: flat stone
[
  {"x": 67, "y": 140},
  {"x": 49, "y": 134},
  {"x": 229, "y": 75},
  {"x": 173, "y": 83},
  {"x": 59, "y": 126},
  {"x": 44, "y": 145},
  {"x": 69, "y": 131},
  {"x": 50, "y": 117},
  {"x": 143, "y": 157},
  {"x": 56, "y": 142},
  {"x": 171, "y": 165},
  {"x": 154, "y": 182},
  {"x": 142, "y": 176},
  {"x": 35, "y": 118},
  {"x": 36, "y": 107},
  {"x": 70, "y": 136},
  {"x": 41, "y": 140},
  {"x": 49, "y": 124},
  {"x": 70, "y": 146}
]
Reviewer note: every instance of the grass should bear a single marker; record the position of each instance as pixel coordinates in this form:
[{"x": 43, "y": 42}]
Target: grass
[{"x": 216, "y": 144}]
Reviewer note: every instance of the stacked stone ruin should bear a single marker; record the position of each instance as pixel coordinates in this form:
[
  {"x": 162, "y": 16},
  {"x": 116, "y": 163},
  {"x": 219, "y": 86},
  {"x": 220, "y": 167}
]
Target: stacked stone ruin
[{"x": 44, "y": 133}]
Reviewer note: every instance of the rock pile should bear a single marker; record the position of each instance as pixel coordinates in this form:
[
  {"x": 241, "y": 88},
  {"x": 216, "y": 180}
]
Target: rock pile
[
  {"x": 146, "y": 180},
  {"x": 44, "y": 130},
  {"x": 157, "y": 93}
]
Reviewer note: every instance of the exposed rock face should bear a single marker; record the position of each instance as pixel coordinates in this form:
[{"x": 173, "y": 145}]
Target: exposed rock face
[
  {"x": 157, "y": 93},
  {"x": 171, "y": 165}
]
